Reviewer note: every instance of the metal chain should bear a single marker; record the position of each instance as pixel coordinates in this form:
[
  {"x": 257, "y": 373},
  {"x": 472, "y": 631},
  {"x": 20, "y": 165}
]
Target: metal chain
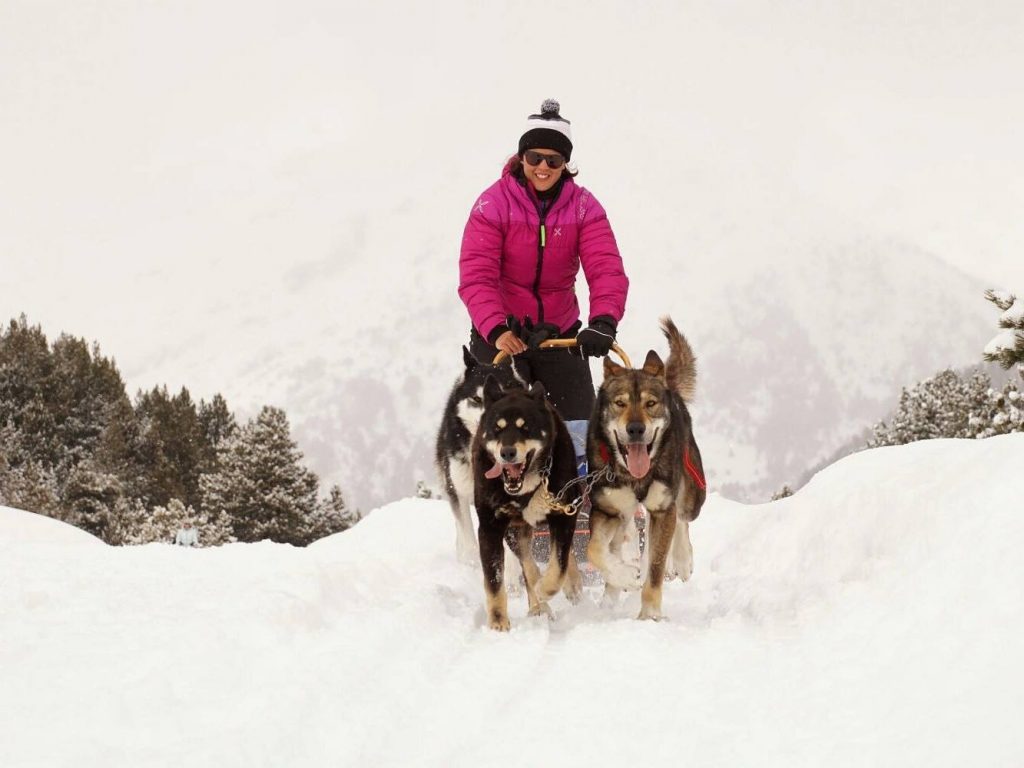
[{"x": 554, "y": 501}]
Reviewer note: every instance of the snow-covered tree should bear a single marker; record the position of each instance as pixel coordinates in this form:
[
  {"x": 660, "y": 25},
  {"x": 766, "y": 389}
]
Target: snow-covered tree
[
  {"x": 784, "y": 493},
  {"x": 28, "y": 485},
  {"x": 134, "y": 524},
  {"x": 261, "y": 484},
  {"x": 1007, "y": 347},
  {"x": 171, "y": 446},
  {"x": 90, "y": 498},
  {"x": 332, "y": 516},
  {"x": 1002, "y": 413},
  {"x": 217, "y": 424},
  {"x": 953, "y": 406}
]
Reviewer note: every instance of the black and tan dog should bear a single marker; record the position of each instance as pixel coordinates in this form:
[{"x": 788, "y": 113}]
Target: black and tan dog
[
  {"x": 522, "y": 457},
  {"x": 642, "y": 432}
]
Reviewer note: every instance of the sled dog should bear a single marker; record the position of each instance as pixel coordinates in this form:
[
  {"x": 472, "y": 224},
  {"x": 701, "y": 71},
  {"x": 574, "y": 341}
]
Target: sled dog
[
  {"x": 454, "y": 443},
  {"x": 642, "y": 433},
  {"x": 522, "y": 457}
]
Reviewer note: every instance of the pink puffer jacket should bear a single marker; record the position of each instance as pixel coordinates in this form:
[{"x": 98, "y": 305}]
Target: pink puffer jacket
[{"x": 513, "y": 263}]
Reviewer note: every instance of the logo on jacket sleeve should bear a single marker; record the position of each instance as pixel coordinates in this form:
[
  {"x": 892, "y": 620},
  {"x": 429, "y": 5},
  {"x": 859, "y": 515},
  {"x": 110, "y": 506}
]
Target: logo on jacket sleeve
[{"x": 480, "y": 205}]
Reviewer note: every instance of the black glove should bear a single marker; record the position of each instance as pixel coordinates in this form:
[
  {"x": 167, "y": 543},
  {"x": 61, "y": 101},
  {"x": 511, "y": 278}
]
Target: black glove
[
  {"x": 534, "y": 335},
  {"x": 596, "y": 339}
]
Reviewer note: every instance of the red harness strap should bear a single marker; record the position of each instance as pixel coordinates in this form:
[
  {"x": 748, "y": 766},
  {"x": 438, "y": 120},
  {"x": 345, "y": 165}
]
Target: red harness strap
[
  {"x": 691, "y": 468},
  {"x": 698, "y": 478}
]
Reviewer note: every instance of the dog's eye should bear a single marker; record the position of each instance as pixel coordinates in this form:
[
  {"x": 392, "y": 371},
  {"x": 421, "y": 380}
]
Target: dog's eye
[
  {"x": 476, "y": 400},
  {"x": 620, "y": 403},
  {"x": 651, "y": 403}
]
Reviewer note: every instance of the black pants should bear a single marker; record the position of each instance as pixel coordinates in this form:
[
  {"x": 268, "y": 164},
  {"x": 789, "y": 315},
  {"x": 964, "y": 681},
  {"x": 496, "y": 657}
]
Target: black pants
[{"x": 565, "y": 374}]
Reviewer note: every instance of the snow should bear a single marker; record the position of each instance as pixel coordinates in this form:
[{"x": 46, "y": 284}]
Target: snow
[
  {"x": 1005, "y": 339},
  {"x": 874, "y": 618},
  {"x": 24, "y": 528},
  {"x": 1003, "y": 297},
  {"x": 1014, "y": 316}
]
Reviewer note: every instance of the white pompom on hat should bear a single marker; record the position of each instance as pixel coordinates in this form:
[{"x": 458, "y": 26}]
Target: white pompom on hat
[{"x": 548, "y": 130}]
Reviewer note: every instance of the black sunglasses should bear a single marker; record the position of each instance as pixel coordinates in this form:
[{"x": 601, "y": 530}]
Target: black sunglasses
[{"x": 534, "y": 158}]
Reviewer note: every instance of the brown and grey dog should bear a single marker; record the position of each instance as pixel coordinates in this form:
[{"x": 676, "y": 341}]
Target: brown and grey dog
[{"x": 642, "y": 433}]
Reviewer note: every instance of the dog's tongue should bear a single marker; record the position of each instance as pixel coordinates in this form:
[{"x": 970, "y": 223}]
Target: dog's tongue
[
  {"x": 638, "y": 460},
  {"x": 514, "y": 470}
]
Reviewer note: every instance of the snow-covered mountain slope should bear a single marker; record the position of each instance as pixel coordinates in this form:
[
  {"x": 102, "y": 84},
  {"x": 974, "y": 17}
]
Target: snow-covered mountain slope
[{"x": 872, "y": 619}]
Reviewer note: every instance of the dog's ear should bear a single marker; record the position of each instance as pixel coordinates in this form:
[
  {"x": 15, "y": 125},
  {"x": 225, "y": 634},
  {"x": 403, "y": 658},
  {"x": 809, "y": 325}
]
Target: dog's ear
[
  {"x": 492, "y": 391},
  {"x": 653, "y": 364},
  {"x": 537, "y": 391},
  {"x": 612, "y": 369},
  {"x": 467, "y": 357}
]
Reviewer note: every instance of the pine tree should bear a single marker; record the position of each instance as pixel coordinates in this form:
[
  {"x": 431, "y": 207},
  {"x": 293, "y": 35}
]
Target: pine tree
[
  {"x": 27, "y": 485},
  {"x": 90, "y": 499},
  {"x": 86, "y": 388},
  {"x": 261, "y": 484},
  {"x": 171, "y": 447},
  {"x": 26, "y": 378},
  {"x": 949, "y": 405},
  {"x": 217, "y": 424},
  {"x": 784, "y": 493},
  {"x": 332, "y": 516},
  {"x": 1007, "y": 348}
]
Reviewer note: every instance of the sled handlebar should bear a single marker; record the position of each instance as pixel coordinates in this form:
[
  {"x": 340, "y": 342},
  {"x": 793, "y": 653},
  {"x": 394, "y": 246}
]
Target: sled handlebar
[{"x": 502, "y": 356}]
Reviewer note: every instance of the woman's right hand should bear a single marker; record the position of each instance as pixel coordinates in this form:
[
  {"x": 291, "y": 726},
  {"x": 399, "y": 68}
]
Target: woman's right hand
[{"x": 509, "y": 343}]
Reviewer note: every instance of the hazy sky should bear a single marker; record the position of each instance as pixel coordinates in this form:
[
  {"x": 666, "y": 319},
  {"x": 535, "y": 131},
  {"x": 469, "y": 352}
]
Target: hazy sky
[{"x": 158, "y": 158}]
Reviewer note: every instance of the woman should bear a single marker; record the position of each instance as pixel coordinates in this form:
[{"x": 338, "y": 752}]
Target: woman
[{"x": 526, "y": 238}]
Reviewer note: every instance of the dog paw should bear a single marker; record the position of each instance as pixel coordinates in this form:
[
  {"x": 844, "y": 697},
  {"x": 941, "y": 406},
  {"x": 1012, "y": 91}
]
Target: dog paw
[
  {"x": 541, "y": 609},
  {"x": 499, "y": 623},
  {"x": 625, "y": 576},
  {"x": 610, "y": 598},
  {"x": 649, "y": 613},
  {"x": 679, "y": 566},
  {"x": 573, "y": 591}
]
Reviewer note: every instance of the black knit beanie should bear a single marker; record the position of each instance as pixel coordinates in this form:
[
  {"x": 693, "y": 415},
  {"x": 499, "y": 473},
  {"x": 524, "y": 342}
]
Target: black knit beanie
[{"x": 548, "y": 130}]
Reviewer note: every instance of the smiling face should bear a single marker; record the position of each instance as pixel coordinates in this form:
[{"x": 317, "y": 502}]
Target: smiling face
[{"x": 541, "y": 176}]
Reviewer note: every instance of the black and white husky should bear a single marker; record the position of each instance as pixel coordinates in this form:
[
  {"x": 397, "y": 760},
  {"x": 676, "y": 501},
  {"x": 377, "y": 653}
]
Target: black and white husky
[{"x": 453, "y": 453}]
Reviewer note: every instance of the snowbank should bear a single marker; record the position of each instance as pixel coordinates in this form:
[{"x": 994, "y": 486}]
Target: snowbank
[
  {"x": 874, "y": 618},
  {"x": 19, "y": 528}
]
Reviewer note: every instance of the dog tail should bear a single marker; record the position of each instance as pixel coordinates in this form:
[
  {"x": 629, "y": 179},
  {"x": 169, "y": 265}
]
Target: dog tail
[{"x": 681, "y": 368}]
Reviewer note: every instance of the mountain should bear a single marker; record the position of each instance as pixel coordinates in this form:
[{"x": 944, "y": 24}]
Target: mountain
[{"x": 872, "y": 618}]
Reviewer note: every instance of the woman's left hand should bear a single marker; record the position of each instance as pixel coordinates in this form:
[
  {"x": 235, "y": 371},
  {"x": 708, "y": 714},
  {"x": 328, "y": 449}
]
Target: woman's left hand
[{"x": 509, "y": 343}]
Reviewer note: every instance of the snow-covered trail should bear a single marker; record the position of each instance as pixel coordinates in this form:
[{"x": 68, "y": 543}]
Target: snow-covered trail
[{"x": 875, "y": 618}]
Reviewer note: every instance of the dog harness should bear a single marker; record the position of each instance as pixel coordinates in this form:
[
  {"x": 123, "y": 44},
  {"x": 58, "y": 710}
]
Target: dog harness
[{"x": 691, "y": 468}]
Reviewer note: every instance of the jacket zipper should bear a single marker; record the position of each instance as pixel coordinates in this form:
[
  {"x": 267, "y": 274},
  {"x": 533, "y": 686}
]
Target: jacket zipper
[
  {"x": 542, "y": 212},
  {"x": 540, "y": 262}
]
